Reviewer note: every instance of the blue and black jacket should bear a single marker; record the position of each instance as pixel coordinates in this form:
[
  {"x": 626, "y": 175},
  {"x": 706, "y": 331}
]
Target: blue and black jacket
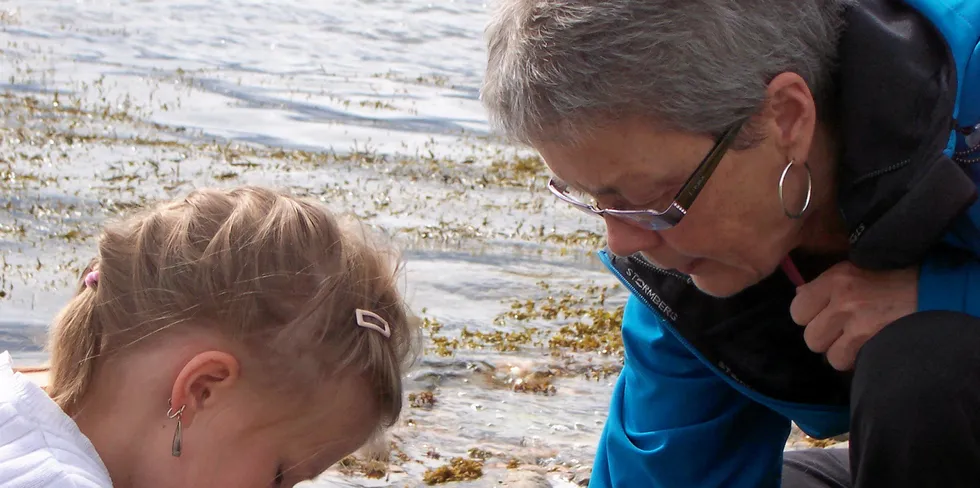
[{"x": 710, "y": 385}]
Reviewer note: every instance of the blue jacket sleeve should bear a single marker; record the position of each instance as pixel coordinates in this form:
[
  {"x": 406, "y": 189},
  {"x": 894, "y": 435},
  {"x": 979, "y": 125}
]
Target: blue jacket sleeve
[
  {"x": 949, "y": 278},
  {"x": 674, "y": 423}
]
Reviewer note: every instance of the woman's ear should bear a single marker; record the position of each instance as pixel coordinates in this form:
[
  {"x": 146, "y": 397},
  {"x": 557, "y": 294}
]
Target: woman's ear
[
  {"x": 205, "y": 380},
  {"x": 792, "y": 115}
]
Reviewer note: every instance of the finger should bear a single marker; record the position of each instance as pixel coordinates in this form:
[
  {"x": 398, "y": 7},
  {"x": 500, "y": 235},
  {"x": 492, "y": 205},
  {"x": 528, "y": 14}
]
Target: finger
[
  {"x": 815, "y": 296},
  {"x": 843, "y": 352},
  {"x": 823, "y": 331},
  {"x": 810, "y": 300}
]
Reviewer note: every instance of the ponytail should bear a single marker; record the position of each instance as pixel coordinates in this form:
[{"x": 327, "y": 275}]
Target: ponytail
[
  {"x": 74, "y": 343},
  {"x": 279, "y": 274}
]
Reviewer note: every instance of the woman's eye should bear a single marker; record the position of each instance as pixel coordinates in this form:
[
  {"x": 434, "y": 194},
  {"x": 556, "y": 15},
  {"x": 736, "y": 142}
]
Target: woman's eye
[
  {"x": 647, "y": 204},
  {"x": 661, "y": 201}
]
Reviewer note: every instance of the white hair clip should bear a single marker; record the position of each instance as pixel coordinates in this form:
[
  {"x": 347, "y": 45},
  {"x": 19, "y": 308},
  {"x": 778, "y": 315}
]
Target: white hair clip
[{"x": 381, "y": 326}]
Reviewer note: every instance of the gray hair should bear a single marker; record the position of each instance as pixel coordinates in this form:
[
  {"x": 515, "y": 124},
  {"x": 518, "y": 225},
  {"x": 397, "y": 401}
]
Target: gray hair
[{"x": 556, "y": 68}]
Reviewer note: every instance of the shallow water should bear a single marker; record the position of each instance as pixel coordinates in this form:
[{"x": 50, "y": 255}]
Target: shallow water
[
  {"x": 108, "y": 105},
  {"x": 371, "y": 105}
]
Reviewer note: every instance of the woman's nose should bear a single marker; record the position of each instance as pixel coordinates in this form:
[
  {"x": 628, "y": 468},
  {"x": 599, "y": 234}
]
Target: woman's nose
[{"x": 626, "y": 239}]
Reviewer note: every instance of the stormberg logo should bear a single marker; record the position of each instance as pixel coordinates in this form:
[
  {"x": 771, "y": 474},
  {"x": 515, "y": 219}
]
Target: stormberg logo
[
  {"x": 651, "y": 295},
  {"x": 856, "y": 235}
]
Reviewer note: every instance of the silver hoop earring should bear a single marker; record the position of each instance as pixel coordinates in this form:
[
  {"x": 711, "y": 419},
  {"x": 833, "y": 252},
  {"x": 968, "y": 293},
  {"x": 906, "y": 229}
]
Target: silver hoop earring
[
  {"x": 175, "y": 448},
  {"x": 809, "y": 189}
]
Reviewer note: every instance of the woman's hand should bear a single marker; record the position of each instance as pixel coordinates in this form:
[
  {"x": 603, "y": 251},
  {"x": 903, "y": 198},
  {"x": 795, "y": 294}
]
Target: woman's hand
[{"x": 845, "y": 306}]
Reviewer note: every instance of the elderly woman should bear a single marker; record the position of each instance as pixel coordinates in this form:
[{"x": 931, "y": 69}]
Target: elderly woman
[{"x": 785, "y": 200}]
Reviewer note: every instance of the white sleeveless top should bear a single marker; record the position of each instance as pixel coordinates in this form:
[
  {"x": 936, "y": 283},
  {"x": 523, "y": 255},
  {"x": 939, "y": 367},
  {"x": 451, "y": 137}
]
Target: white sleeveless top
[{"x": 40, "y": 446}]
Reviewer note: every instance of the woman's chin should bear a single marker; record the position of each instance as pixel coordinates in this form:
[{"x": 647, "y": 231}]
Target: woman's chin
[{"x": 722, "y": 281}]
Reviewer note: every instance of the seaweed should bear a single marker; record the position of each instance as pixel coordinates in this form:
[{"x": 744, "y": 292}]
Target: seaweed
[{"x": 458, "y": 469}]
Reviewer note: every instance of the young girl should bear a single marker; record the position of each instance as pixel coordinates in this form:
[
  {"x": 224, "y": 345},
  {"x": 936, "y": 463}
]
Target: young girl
[{"x": 230, "y": 339}]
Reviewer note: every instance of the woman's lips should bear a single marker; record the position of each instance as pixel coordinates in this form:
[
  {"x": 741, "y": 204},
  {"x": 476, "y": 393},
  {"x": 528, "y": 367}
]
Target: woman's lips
[{"x": 690, "y": 267}]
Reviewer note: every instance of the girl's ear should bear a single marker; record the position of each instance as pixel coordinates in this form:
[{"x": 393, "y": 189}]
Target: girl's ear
[{"x": 205, "y": 380}]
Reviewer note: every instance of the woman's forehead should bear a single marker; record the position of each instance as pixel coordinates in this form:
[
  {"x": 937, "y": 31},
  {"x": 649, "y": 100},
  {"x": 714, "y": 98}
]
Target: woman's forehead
[{"x": 609, "y": 166}]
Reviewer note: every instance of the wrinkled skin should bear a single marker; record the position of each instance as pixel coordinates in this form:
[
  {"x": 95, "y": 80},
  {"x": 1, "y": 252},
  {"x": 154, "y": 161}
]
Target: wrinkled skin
[{"x": 737, "y": 232}]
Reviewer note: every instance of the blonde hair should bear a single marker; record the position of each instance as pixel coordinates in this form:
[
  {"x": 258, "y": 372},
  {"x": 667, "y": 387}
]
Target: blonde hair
[{"x": 278, "y": 274}]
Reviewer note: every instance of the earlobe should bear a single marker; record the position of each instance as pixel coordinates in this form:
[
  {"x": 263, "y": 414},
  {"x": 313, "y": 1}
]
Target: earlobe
[
  {"x": 793, "y": 114},
  {"x": 205, "y": 378}
]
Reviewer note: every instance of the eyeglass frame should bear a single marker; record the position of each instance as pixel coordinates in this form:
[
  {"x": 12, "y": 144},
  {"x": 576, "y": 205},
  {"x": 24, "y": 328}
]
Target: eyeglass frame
[{"x": 672, "y": 215}]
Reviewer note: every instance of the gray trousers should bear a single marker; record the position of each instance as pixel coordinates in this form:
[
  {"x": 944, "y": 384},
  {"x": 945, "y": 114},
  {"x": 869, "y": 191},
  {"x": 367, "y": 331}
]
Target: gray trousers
[
  {"x": 915, "y": 411},
  {"x": 816, "y": 468}
]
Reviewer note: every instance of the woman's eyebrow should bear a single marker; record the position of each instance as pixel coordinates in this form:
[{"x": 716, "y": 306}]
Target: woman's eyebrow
[
  {"x": 624, "y": 185},
  {"x": 632, "y": 186}
]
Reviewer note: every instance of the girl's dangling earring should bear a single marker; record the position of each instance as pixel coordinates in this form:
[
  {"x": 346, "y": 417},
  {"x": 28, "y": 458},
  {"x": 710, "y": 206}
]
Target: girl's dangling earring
[{"x": 171, "y": 414}]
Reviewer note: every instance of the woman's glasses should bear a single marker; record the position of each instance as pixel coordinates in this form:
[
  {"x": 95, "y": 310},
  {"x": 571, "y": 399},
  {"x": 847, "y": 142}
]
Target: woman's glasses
[{"x": 672, "y": 215}]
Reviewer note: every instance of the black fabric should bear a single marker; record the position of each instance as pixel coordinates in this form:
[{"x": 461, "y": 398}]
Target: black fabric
[
  {"x": 915, "y": 415},
  {"x": 915, "y": 420},
  {"x": 750, "y": 336},
  {"x": 896, "y": 89}
]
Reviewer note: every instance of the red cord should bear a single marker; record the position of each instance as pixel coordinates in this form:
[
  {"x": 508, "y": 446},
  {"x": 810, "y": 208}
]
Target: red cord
[{"x": 790, "y": 269}]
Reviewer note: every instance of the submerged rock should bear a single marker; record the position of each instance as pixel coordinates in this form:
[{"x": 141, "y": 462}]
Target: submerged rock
[
  {"x": 582, "y": 476},
  {"x": 525, "y": 479}
]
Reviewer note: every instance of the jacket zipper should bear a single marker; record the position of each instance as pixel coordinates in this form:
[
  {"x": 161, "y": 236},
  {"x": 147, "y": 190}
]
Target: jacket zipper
[
  {"x": 738, "y": 386},
  {"x": 646, "y": 265}
]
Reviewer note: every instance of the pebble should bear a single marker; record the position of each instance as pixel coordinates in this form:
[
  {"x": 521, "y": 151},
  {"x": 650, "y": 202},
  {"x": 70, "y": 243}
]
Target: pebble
[
  {"x": 525, "y": 479},
  {"x": 582, "y": 476}
]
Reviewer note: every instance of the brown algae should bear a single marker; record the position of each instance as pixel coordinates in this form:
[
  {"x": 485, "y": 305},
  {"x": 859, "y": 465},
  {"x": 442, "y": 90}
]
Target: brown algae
[
  {"x": 587, "y": 325},
  {"x": 425, "y": 399},
  {"x": 458, "y": 469}
]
